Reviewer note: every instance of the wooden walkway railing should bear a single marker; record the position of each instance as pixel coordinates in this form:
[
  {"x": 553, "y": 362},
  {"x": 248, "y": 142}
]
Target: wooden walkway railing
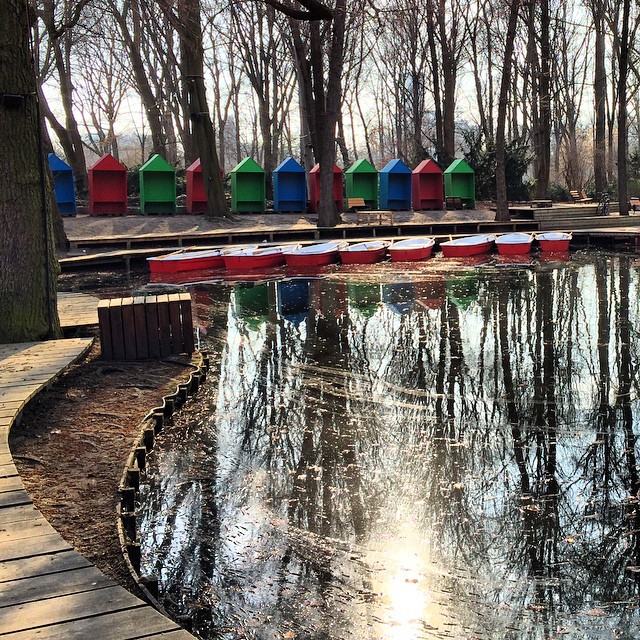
[{"x": 47, "y": 590}]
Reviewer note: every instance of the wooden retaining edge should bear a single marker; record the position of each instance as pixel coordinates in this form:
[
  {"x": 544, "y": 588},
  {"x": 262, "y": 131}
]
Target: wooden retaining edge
[{"x": 150, "y": 426}]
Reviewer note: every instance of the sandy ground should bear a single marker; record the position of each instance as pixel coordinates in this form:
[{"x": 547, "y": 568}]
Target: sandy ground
[{"x": 83, "y": 226}]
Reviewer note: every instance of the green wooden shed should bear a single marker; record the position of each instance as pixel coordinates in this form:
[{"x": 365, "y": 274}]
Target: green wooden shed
[
  {"x": 362, "y": 182},
  {"x": 157, "y": 186},
  {"x": 248, "y": 188},
  {"x": 459, "y": 182}
]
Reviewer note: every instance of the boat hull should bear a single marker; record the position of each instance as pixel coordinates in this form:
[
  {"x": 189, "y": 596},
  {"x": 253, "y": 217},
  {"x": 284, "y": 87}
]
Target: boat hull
[
  {"x": 466, "y": 250},
  {"x": 513, "y": 248},
  {"x": 363, "y": 257},
  {"x": 177, "y": 265},
  {"x": 411, "y": 255},
  {"x": 248, "y": 262},
  {"x": 559, "y": 246},
  {"x": 314, "y": 255}
]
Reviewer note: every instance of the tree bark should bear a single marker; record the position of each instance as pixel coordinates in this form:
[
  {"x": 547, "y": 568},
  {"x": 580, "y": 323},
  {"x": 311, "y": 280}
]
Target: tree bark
[
  {"x": 623, "y": 64},
  {"x": 502, "y": 204},
  {"x": 600, "y": 97},
  {"x": 202, "y": 127},
  {"x": 28, "y": 265}
]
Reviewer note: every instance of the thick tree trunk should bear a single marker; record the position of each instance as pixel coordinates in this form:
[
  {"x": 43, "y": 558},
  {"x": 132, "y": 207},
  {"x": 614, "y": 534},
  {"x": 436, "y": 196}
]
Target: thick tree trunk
[
  {"x": 28, "y": 266},
  {"x": 328, "y": 216},
  {"x": 623, "y": 190},
  {"x": 502, "y": 204},
  {"x": 202, "y": 127},
  {"x": 600, "y": 96}
]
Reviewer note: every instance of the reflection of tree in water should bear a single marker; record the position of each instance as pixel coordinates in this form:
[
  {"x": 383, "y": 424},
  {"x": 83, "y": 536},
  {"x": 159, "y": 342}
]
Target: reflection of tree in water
[{"x": 486, "y": 448}]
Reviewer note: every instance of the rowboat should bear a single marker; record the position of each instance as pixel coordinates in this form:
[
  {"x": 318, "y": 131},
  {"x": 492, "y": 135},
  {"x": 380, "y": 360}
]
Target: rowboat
[
  {"x": 256, "y": 257},
  {"x": 511, "y": 244},
  {"x": 411, "y": 249},
  {"x": 554, "y": 240},
  {"x": 186, "y": 261},
  {"x": 364, "y": 252},
  {"x": 315, "y": 255},
  {"x": 467, "y": 246}
]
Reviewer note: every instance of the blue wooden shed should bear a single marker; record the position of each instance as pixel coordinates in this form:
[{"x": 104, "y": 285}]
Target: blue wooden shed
[
  {"x": 395, "y": 186},
  {"x": 63, "y": 185},
  {"x": 289, "y": 187}
]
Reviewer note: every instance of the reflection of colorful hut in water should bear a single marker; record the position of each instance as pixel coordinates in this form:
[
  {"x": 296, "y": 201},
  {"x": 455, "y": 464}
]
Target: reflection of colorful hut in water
[
  {"x": 364, "y": 297},
  {"x": 328, "y": 298},
  {"x": 398, "y": 296},
  {"x": 251, "y": 304},
  {"x": 293, "y": 300},
  {"x": 430, "y": 293},
  {"x": 463, "y": 289}
]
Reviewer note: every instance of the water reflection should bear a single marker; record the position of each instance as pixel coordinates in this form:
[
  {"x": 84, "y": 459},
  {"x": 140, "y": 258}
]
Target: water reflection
[{"x": 410, "y": 454}]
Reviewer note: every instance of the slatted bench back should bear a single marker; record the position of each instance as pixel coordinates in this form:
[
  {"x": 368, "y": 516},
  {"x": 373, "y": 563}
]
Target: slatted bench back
[{"x": 146, "y": 328}]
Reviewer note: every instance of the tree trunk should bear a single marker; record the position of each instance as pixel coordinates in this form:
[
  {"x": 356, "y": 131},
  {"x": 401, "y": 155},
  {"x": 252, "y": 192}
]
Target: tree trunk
[
  {"x": 502, "y": 204},
  {"x": 28, "y": 266},
  {"x": 202, "y": 128},
  {"x": 623, "y": 190},
  {"x": 600, "y": 96},
  {"x": 328, "y": 216}
]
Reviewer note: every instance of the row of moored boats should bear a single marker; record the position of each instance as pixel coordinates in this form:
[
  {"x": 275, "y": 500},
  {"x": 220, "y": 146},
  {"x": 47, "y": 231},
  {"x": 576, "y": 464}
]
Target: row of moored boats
[{"x": 322, "y": 253}]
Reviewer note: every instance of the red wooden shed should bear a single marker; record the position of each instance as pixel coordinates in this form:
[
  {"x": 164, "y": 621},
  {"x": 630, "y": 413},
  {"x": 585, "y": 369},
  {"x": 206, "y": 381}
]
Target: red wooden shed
[
  {"x": 427, "y": 186},
  {"x": 314, "y": 188},
  {"x": 108, "y": 187},
  {"x": 196, "y": 195}
]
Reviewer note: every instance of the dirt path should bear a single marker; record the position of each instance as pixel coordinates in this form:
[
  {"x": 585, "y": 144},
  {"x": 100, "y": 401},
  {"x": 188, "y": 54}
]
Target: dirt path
[{"x": 72, "y": 445}]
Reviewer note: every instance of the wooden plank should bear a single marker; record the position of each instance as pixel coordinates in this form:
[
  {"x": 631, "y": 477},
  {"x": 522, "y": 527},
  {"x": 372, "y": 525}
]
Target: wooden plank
[
  {"x": 180, "y": 634},
  {"x": 131, "y": 624},
  {"x": 23, "y": 529},
  {"x": 140, "y": 324},
  {"x": 153, "y": 334},
  {"x": 8, "y": 469},
  {"x": 12, "y": 483},
  {"x": 37, "y": 546},
  {"x": 175, "y": 321},
  {"x": 117, "y": 332},
  {"x": 32, "y": 615},
  {"x": 41, "y": 565},
  {"x": 187, "y": 322},
  {"x": 104, "y": 322},
  {"x": 14, "y": 498},
  {"x": 52, "y": 586},
  {"x": 128, "y": 329},
  {"x": 18, "y": 514},
  {"x": 164, "y": 330}
]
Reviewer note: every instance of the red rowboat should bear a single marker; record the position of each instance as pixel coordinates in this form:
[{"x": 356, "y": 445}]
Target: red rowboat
[
  {"x": 513, "y": 244},
  {"x": 315, "y": 255},
  {"x": 364, "y": 252},
  {"x": 411, "y": 249},
  {"x": 554, "y": 240},
  {"x": 467, "y": 246},
  {"x": 186, "y": 261},
  {"x": 257, "y": 257}
]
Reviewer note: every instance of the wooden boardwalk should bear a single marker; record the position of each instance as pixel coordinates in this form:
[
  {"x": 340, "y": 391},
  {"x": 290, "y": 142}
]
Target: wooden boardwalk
[{"x": 48, "y": 591}]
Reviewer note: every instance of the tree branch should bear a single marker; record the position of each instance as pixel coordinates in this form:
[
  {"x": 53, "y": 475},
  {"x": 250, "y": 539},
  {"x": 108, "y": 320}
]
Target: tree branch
[{"x": 314, "y": 10}]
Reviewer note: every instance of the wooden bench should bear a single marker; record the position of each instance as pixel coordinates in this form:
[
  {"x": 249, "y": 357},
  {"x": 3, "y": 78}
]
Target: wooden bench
[
  {"x": 143, "y": 328},
  {"x": 540, "y": 204},
  {"x": 358, "y": 204},
  {"x": 453, "y": 203},
  {"x": 580, "y": 197},
  {"x": 634, "y": 204}
]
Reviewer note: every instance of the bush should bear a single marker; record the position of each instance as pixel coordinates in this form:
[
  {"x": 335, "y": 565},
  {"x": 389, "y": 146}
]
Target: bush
[
  {"x": 481, "y": 157},
  {"x": 558, "y": 192}
]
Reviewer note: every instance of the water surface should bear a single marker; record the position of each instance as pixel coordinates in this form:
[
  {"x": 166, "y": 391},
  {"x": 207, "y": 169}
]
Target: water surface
[{"x": 440, "y": 450}]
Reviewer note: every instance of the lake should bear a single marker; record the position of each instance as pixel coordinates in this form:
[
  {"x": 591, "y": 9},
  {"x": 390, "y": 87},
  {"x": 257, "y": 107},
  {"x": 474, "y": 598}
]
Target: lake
[{"x": 435, "y": 450}]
